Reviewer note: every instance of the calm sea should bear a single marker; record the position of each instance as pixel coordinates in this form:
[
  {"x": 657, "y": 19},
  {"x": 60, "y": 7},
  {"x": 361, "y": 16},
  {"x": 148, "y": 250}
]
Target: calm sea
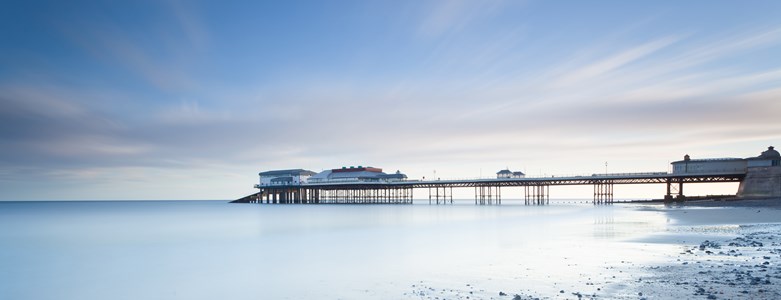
[{"x": 216, "y": 250}]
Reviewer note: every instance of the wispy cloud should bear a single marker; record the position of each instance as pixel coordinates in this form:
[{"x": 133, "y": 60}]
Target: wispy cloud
[
  {"x": 614, "y": 62},
  {"x": 472, "y": 84},
  {"x": 693, "y": 57},
  {"x": 44, "y": 125},
  {"x": 190, "y": 22},
  {"x": 189, "y": 113},
  {"x": 162, "y": 57},
  {"x": 455, "y": 15}
]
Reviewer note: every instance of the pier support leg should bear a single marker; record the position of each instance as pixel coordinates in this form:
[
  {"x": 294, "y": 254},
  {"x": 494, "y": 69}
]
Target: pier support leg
[
  {"x": 680, "y": 190},
  {"x": 674, "y": 192},
  {"x": 536, "y": 194},
  {"x": 668, "y": 196},
  {"x": 603, "y": 193}
]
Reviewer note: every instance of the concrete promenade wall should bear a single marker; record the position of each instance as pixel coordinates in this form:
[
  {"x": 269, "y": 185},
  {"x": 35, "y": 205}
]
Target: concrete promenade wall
[{"x": 761, "y": 182}]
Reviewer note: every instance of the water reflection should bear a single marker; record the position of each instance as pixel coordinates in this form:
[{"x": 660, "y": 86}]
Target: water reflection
[{"x": 205, "y": 250}]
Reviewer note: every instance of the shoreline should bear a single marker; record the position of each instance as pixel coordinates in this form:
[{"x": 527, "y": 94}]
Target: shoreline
[
  {"x": 712, "y": 249},
  {"x": 714, "y": 200},
  {"x": 743, "y": 267},
  {"x": 729, "y": 249}
]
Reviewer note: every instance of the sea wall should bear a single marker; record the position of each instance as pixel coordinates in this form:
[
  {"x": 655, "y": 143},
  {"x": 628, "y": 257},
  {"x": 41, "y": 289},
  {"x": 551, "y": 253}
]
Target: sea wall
[{"x": 761, "y": 182}]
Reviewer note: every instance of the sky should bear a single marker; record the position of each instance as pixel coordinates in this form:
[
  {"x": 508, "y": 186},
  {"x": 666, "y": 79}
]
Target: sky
[{"x": 191, "y": 99}]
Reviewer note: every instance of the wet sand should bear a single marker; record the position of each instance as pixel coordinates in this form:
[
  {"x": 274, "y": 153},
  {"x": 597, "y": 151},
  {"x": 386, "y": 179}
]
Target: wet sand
[
  {"x": 728, "y": 250},
  {"x": 723, "y": 250}
]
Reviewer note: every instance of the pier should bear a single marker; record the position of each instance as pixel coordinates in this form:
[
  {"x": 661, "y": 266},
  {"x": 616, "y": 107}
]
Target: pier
[
  {"x": 758, "y": 176},
  {"x": 486, "y": 191}
]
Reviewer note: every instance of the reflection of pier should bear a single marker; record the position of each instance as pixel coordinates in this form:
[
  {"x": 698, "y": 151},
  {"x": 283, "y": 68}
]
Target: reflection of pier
[{"x": 487, "y": 191}]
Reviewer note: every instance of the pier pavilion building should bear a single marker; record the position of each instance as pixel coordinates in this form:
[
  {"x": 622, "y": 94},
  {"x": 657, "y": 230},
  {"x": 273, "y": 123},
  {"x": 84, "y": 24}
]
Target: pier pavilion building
[
  {"x": 356, "y": 174},
  {"x": 285, "y": 177},
  {"x": 506, "y": 173},
  {"x": 361, "y": 185}
]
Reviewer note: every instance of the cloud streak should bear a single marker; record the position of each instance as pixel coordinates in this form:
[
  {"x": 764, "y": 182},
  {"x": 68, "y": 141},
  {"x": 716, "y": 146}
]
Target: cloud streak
[
  {"x": 453, "y": 16},
  {"x": 153, "y": 108},
  {"x": 609, "y": 64}
]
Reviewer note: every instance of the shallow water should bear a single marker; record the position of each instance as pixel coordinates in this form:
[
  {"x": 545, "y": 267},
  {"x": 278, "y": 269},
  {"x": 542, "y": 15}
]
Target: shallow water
[{"x": 212, "y": 249}]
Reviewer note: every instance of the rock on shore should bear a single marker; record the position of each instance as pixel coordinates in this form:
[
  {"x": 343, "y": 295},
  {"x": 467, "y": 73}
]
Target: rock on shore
[{"x": 745, "y": 267}]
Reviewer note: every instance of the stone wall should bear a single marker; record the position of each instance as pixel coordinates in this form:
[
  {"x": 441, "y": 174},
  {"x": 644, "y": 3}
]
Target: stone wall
[{"x": 761, "y": 182}]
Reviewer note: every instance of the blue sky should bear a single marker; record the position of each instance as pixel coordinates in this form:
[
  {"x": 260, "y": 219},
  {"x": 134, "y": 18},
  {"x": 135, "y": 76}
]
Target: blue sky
[{"x": 190, "y": 99}]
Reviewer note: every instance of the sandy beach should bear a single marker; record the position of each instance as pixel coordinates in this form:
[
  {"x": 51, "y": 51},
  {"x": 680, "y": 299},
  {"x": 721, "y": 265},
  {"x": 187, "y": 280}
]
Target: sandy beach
[
  {"x": 710, "y": 250},
  {"x": 728, "y": 250}
]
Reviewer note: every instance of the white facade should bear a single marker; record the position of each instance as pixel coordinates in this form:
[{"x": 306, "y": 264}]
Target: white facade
[
  {"x": 506, "y": 173},
  {"x": 285, "y": 177},
  {"x": 359, "y": 174}
]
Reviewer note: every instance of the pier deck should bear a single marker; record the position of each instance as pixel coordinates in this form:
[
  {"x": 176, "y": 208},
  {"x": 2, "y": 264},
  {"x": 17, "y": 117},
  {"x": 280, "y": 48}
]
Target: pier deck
[{"x": 487, "y": 191}]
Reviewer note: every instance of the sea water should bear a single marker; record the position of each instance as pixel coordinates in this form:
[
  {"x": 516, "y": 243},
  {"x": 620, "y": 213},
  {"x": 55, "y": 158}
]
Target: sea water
[{"x": 216, "y": 250}]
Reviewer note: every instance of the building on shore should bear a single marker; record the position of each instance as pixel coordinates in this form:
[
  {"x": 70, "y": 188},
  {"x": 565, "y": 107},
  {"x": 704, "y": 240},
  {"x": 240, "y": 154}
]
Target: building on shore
[
  {"x": 709, "y": 165},
  {"x": 763, "y": 172},
  {"x": 768, "y": 158},
  {"x": 763, "y": 176}
]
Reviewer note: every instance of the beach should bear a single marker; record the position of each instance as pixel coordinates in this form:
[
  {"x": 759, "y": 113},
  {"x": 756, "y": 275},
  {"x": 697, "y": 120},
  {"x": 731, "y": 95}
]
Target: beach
[
  {"x": 728, "y": 250},
  {"x": 707, "y": 250}
]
